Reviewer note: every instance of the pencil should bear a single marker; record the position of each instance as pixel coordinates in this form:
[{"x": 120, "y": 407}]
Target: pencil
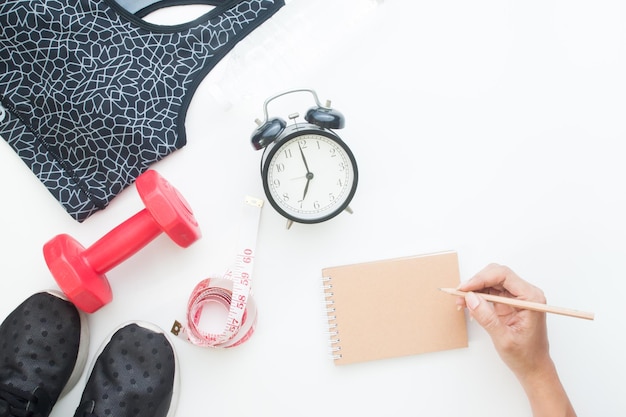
[{"x": 527, "y": 305}]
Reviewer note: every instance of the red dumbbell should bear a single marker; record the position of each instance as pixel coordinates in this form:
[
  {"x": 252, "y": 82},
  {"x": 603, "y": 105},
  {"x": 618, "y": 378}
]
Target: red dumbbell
[{"x": 81, "y": 272}]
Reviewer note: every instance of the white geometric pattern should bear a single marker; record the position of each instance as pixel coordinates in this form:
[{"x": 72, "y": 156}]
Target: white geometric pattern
[{"x": 91, "y": 94}]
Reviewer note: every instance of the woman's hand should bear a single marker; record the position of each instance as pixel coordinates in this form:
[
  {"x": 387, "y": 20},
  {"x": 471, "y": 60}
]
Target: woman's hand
[{"x": 519, "y": 336}]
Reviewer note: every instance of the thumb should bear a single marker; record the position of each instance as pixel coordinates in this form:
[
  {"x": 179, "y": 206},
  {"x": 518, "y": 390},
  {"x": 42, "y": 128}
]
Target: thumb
[{"x": 483, "y": 313}]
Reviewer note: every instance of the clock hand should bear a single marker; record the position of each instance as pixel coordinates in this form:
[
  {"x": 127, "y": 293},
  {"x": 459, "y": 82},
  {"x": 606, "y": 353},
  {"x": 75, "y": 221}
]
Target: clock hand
[
  {"x": 309, "y": 174},
  {"x": 309, "y": 177},
  {"x": 304, "y": 160},
  {"x": 306, "y": 188}
]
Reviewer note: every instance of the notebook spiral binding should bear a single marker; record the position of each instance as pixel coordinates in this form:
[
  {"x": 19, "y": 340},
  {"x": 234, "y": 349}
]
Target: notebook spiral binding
[{"x": 329, "y": 309}]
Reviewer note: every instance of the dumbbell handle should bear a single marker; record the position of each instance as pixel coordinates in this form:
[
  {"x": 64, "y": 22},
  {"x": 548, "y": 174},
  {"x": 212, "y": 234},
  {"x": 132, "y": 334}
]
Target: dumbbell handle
[{"x": 122, "y": 242}]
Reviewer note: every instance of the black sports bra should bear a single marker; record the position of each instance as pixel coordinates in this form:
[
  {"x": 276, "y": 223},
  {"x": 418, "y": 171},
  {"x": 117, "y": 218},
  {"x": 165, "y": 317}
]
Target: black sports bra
[{"x": 91, "y": 94}]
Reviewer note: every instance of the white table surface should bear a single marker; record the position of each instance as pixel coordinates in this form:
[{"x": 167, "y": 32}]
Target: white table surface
[{"x": 491, "y": 128}]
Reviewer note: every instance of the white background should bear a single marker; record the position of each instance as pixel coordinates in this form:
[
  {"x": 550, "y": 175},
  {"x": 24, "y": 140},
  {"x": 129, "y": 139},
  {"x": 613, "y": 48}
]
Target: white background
[{"x": 493, "y": 128}]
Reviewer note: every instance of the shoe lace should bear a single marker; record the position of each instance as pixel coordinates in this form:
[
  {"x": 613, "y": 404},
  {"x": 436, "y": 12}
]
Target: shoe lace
[{"x": 15, "y": 402}]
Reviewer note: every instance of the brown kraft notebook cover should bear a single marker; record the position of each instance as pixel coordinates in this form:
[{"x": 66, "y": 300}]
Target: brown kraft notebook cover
[{"x": 391, "y": 308}]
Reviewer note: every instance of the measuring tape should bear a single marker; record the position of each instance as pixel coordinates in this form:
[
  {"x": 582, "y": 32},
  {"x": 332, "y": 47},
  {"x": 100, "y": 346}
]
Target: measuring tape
[{"x": 232, "y": 291}]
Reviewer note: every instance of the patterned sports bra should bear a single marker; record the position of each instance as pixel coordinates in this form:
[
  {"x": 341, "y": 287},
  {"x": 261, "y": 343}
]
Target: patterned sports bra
[{"x": 91, "y": 94}]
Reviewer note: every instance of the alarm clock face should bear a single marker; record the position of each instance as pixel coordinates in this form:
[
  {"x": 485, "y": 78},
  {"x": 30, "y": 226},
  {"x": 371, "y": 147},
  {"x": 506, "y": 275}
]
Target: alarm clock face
[{"x": 310, "y": 176}]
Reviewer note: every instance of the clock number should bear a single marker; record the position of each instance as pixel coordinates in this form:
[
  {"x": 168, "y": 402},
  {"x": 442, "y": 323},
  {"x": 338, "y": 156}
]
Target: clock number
[
  {"x": 276, "y": 182},
  {"x": 288, "y": 153},
  {"x": 316, "y": 205},
  {"x": 342, "y": 167},
  {"x": 331, "y": 196},
  {"x": 333, "y": 152},
  {"x": 340, "y": 183},
  {"x": 280, "y": 167},
  {"x": 286, "y": 196},
  {"x": 302, "y": 143}
]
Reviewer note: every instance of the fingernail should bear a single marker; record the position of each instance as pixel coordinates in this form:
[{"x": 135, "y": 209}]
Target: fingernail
[
  {"x": 458, "y": 308},
  {"x": 472, "y": 300}
]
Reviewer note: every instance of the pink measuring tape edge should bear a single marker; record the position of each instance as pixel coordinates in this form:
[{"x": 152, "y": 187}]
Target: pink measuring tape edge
[{"x": 233, "y": 291}]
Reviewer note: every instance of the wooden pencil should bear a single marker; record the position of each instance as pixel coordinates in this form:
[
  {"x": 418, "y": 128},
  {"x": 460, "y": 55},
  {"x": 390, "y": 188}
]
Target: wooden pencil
[{"x": 527, "y": 305}]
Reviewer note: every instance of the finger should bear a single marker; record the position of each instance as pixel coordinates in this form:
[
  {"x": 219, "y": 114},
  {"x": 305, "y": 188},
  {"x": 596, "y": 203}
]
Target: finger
[
  {"x": 500, "y": 277},
  {"x": 484, "y": 313},
  {"x": 491, "y": 276}
]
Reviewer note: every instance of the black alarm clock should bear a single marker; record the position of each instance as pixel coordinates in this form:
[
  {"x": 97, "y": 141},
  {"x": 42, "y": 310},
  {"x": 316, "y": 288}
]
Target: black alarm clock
[{"x": 309, "y": 174}]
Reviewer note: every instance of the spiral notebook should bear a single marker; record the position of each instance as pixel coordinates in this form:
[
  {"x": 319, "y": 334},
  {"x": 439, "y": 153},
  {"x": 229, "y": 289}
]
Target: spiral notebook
[{"x": 391, "y": 308}]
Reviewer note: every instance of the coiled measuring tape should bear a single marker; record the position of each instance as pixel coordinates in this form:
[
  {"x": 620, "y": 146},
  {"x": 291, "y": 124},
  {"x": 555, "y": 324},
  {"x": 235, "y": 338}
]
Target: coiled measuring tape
[{"x": 232, "y": 291}]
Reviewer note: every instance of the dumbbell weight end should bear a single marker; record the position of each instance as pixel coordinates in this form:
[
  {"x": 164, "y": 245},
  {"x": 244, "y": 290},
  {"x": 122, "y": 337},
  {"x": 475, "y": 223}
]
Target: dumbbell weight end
[{"x": 83, "y": 286}]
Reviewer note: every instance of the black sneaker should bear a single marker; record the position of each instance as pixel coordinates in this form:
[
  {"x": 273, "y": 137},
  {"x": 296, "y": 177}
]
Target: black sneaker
[
  {"x": 44, "y": 344},
  {"x": 135, "y": 374}
]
